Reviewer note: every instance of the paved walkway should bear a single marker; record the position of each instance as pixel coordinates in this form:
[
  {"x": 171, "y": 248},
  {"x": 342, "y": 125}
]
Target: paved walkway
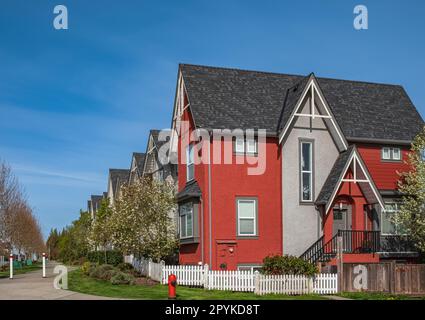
[{"x": 31, "y": 286}]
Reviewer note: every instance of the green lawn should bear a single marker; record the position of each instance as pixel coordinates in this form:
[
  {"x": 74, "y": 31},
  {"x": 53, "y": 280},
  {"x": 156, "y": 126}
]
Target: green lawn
[
  {"x": 25, "y": 269},
  {"x": 378, "y": 296},
  {"x": 79, "y": 282}
]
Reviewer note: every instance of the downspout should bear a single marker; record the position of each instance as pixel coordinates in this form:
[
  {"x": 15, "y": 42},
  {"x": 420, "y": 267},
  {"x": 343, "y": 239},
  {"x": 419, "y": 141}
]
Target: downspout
[
  {"x": 209, "y": 203},
  {"x": 201, "y": 203}
]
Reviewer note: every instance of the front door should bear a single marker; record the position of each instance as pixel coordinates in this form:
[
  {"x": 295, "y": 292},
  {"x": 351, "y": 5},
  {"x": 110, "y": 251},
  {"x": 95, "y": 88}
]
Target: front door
[{"x": 342, "y": 219}]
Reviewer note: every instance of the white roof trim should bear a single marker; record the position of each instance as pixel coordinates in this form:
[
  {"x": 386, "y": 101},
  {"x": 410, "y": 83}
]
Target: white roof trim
[
  {"x": 314, "y": 89},
  {"x": 357, "y": 159}
]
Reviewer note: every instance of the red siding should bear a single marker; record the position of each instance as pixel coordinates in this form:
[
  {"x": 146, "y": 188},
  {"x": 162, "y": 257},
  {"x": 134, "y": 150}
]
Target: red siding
[
  {"x": 383, "y": 173},
  {"x": 229, "y": 181}
]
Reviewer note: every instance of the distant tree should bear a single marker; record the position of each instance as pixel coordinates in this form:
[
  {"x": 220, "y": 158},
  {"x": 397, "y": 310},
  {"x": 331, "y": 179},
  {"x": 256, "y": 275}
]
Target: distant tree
[
  {"x": 411, "y": 216},
  {"x": 141, "y": 222},
  {"x": 52, "y": 244}
]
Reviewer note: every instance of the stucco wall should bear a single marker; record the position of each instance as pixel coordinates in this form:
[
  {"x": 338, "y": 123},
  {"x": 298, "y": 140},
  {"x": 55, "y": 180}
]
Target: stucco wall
[{"x": 301, "y": 222}]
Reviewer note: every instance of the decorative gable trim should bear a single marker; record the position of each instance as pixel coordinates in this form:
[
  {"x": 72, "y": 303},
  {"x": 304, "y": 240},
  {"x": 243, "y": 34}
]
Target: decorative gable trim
[{"x": 312, "y": 89}]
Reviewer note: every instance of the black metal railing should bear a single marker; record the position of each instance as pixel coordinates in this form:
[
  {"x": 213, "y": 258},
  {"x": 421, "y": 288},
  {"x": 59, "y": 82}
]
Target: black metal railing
[{"x": 353, "y": 241}]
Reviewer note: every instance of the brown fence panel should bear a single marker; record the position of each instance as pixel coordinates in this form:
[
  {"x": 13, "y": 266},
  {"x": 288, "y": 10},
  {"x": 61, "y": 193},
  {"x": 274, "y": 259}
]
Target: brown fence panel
[{"x": 384, "y": 277}]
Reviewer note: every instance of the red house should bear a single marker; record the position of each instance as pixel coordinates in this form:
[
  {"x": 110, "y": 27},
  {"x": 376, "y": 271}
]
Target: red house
[{"x": 310, "y": 159}]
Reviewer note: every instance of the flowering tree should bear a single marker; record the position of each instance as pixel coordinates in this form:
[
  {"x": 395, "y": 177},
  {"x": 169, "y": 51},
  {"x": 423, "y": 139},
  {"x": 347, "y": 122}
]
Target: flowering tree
[
  {"x": 141, "y": 222},
  {"x": 411, "y": 216},
  {"x": 100, "y": 234}
]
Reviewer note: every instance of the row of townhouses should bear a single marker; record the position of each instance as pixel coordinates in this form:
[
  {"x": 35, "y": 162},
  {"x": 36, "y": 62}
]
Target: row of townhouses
[
  {"x": 142, "y": 165},
  {"x": 274, "y": 163}
]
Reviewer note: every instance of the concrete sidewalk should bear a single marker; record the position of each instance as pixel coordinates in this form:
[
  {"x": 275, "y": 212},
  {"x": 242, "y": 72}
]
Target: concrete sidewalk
[{"x": 31, "y": 286}]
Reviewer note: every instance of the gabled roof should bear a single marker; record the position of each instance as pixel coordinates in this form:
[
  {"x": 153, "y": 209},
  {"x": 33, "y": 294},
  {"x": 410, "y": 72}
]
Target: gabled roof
[
  {"x": 191, "y": 190},
  {"x": 118, "y": 177},
  {"x": 223, "y": 98},
  {"x": 139, "y": 158},
  {"x": 345, "y": 160}
]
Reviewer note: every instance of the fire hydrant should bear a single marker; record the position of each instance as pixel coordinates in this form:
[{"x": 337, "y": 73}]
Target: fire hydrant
[{"x": 172, "y": 284}]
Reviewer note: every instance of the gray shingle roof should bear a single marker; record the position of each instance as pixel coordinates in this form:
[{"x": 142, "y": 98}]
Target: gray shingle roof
[
  {"x": 95, "y": 201},
  {"x": 334, "y": 176},
  {"x": 139, "y": 158},
  {"x": 191, "y": 190},
  {"x": 230, "y": 98}
]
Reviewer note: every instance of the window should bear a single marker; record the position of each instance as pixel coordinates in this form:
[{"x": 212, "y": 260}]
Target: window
[
  {"x": 186, "y": 220},
  {"x": 247, "y": 217},
  {"x": 391, "y": 154},
  {"x": 190, "y": 166},
  {"x": 387, "y": 225},
  {"x": 246, "y": 146},
  {"x": 240, "y": 145},
  {"x": 306, "y": 173},
  {"x": 251, "y": 268},
  {"x": 423, "y": 154},
  {"x": 251, "y": 145}
]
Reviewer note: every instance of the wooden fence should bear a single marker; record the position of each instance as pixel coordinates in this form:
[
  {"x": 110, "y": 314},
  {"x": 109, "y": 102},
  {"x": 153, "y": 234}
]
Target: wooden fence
[
  {"x": 384, "y": 277},
  {"x": 245, "y": 281}
]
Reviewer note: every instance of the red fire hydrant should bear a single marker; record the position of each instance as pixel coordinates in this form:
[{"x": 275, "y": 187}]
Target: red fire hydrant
[{"x": 172, "y": 284}]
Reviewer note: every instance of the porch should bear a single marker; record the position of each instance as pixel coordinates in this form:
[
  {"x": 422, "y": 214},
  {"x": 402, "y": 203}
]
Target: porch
[{"x": 365, "y": 245}]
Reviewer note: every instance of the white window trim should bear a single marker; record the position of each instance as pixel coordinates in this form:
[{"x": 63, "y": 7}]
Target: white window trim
[
  {"x": 306, "y": 171},
  {"x": 391, "y": 153},
  {"x": 251, "y": 266},
  {"x": 180, "y": 219},
  {"x": 189, "y": 162},
  {"x": 240, "y": 139},
  {"x": 255, "y": 146},
  {"x": 254, "y": 218}
]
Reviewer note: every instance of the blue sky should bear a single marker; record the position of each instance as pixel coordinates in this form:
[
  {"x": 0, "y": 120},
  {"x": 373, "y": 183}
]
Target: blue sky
[{"x": 74, "y": 103}]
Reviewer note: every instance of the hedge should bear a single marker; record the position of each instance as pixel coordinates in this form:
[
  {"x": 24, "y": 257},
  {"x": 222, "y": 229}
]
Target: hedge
[{"x": 113, "y": 257}]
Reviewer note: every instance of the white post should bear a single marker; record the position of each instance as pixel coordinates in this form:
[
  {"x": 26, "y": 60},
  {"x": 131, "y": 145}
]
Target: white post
[
  {"x": 340, "y": 263},
  {"x": 150, "y": 268},
  {"x": 11, "y": 266},
  {"x": 205, "y": 280},
  {"x": 44, "y": 265},
  {"x": 257, "y": 282}
]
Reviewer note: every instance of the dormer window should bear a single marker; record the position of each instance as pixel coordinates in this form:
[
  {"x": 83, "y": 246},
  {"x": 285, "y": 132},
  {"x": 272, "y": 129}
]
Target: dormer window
[{"x": 391, "y": 154}]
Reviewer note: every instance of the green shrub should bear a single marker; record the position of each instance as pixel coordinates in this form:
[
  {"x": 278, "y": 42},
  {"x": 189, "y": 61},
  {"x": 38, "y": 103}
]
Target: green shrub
[
  {"x": 111, "y": 257},
  {"x": 122, "y": 278},
  {"x": 88, "y": 267},
  {"x": 125, "y": 267},
  {"x": 103, "y": 272},
  {"x": 287, "y": 265}
]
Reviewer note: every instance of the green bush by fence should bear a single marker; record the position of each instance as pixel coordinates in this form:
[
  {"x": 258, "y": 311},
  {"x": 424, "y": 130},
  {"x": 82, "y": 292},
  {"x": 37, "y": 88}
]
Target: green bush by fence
[
  {"x": 287, "y": 265},
  {"x": 109, "y": 257}
]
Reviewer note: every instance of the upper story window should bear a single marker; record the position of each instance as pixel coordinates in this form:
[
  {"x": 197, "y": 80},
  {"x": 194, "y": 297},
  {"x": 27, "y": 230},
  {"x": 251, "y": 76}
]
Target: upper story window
[
  {"x": 190, "y": 166},
  {"x": 391, "y": 154},
  {"x": 186, "y": 220},
  {"x": 306, "y": 171},
  {"x": 246, "y": 146},
  {"x": 423, "y": 154},
  {"x": 388, "y": 226},
  {"x": 246, "y": 217}
]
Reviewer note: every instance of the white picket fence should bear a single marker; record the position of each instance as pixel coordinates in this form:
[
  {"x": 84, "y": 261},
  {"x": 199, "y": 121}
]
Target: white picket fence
[
  {"x": 248, "y": 281},
  {"x": 186, "y": 275},
  {"x": 325, "y": 283},
  {"x": 148, "y": 268},
  {"x": 230, "y": 280}
]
